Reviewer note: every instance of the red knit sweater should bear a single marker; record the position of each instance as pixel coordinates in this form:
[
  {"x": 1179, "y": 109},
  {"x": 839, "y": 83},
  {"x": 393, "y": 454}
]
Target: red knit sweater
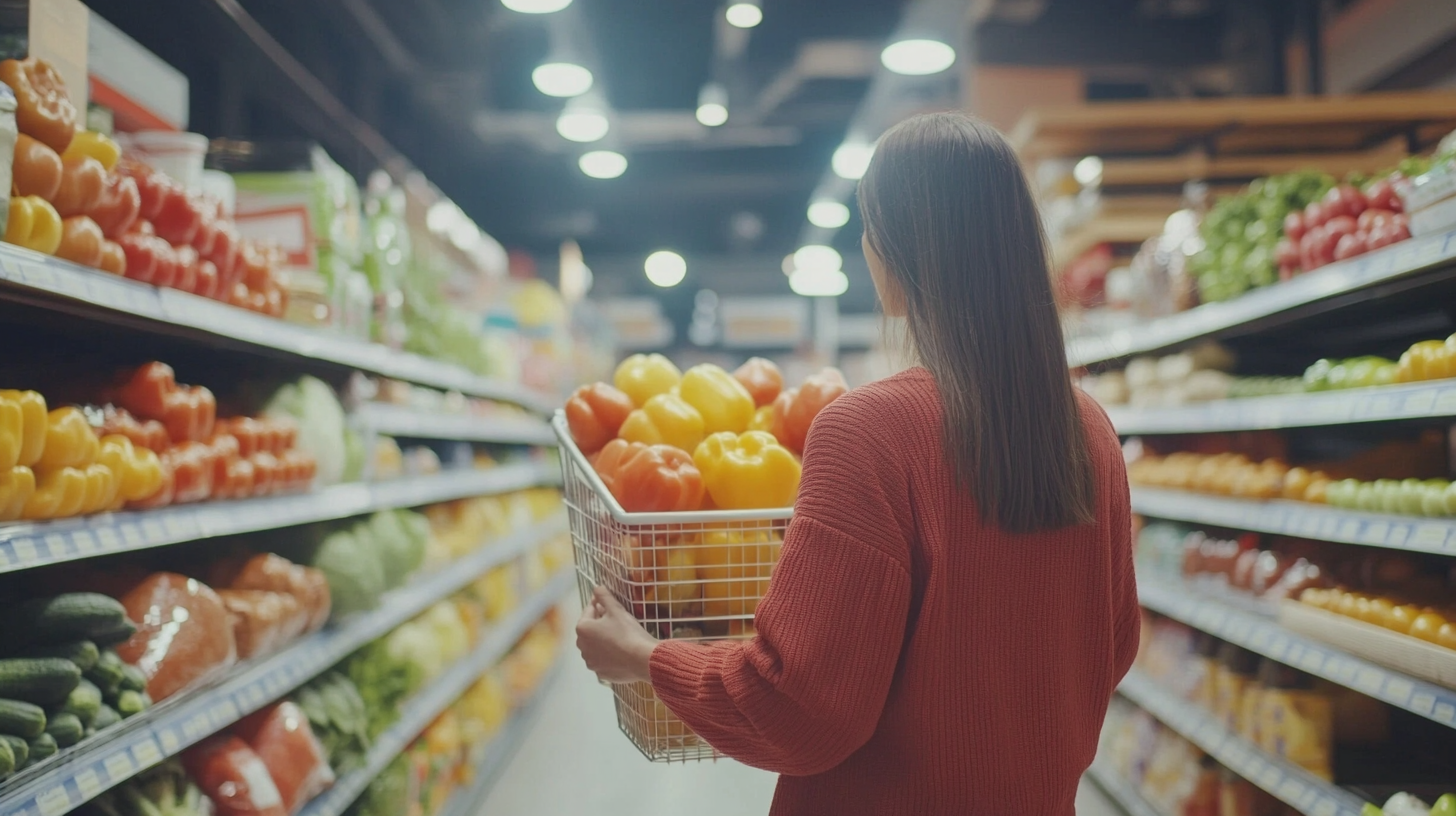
[{"x": 910, "y": 658}]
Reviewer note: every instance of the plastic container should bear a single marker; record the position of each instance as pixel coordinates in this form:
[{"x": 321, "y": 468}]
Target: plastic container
[{"x": 179, "y": 155}]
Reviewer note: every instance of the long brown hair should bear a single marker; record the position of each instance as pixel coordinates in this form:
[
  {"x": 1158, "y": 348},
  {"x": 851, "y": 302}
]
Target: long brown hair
[{"x": 946, "y": 207}]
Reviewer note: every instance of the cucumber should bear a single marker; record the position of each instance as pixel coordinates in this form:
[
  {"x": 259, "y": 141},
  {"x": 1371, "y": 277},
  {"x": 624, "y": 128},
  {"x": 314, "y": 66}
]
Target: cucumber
[
  {"x": 7, "y": 760},
  {"x": 65, "y": 729},
  {"x": 106, "y": 717},
  {"x": 130, "y": 703},
  {"x": 18, "y": 746},
  {"x": 107, "y": 674},
  {"x": 81, "y": 652},
  {"x": 42, "y": 747},
  {"x": 72, "y": 616},
  {"x": 21, "y": 719},
  {"x": 38, "y": 679},
  {"x": 115, "y": 635},
  {"x": 132, "y": 678},
  {"x": 83, "y": 701}
]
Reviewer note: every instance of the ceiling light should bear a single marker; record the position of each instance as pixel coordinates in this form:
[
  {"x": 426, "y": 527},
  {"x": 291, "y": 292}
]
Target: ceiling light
[
  {"x": 744, "y": 14},
  {"x": 851, "y": 160},
  {"x": 1088, "y": 171},
  {"x": 562, "y": 79},
  {"x": 665, "y": 268},
  {"x": 603, "y": 164},
  {"x": 828, "y": 214},
  {"x": 917, "y": 57},
  {"x": 582, "y": 125},
  {"x": 536, "y": 6},
  {"x": 713, "y": 104},
  {"x": 820, "y": 283},
  {"x": 818, "y": 258}
]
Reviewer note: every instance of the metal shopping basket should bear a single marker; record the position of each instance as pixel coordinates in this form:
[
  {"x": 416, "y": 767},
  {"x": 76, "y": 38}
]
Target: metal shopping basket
[{"x": 689, "y": 576}]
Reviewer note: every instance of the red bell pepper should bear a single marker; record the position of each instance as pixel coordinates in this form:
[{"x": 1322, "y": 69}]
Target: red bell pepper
[
  {"x": 192, "y": 471},
  {"x": 238, "y": 483},
  {"x": 149, "y": 259},
  {"x": 650, "y": 478},
  {"x": 145, "y": 391},
  {"x": 265, "y": 473},
  {"x": 149, "y": 434},
  {"x": 186, "y": 269},
  {"x": 151, "y": 186},
  {"x": 795, "y": 409},
  {"x": 151, "y": 392},
  {"x": 224, "y": 450}
]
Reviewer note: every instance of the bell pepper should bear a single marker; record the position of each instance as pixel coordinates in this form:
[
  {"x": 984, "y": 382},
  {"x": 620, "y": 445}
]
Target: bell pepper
[
  {"x": 150, "y": 434},
  {"x": 735, "y": 566},
  {"x": 664, "y": 420},
  {"x": 302, "y": 468},
  {"x": 762, "y": 420},
  {"x": 33, "y": 421},
  {"x": 138, "y": 471},
  {"x": 149, "y": 259},
  {"x": 42, "y": 107},
  {"x": 59, "y": 493},
  {"x": 12, "y": 434},
  {"x": 100, "y": 488},
  {"x": 192, "y": 471},
  {"x": 98, "y": 146},
  {"x": 1426, "y": 360},
  {"x": 152, "y": 392},
  {"x": 82, "y": 182},
  {"x": 795, "y": 409},
  {"x": 643, "y": 376},
  {"x": 34, "y": 224},
  {"x": 594, "y": 414},
  {"x": 649, "y": 478},
  {"x": 674, "y": 578},
  {"x": 37, "y": 168},
  {"x": 80, "y": 241},
  {"x": 237, "y": 482},
  {"x": 266, "y": 473},
  {"x": 178, "y": 218},
  {"x": 747, "y": 471},
  {"x": 165, "y": 493},
  {"x": 17, "y": 485},
  {"x": 723, "y": 401},
  {"x": 113, "y": 259},
  {"x": 117, "y": 208},
  {"x": 762, "y": 378},
  {"x": 69, "y": 442}
]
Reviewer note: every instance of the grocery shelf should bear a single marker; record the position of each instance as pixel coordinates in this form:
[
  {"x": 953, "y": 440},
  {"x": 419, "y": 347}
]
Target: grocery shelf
[
  {"x": 35, "y": 544},
  {"x": 1114, "y": 227},
  {"x": 80, "y": 774},
  {"x": 1120, "y": 791},
  {"x": 425, "y": 706},
  {"x": 1308, "y": 293},
  {"x": 1381, "y": 404},
  {"x": 1284, "y": 780},
  {"x": 1302, "y": 519},
  {"x": 47, "y": 282},
  {"x": 1268, "y": 638},
  {"x": 399, "y": 420}
]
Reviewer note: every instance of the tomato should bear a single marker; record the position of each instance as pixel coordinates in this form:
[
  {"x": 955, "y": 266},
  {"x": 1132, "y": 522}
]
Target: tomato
[
  {"x": 265, "y": 473},
  {"x": 256, "y": 272},
  {"x": 186, "y": 269},
  {"x": 1341, "y": 225},
  {"x": 166, "y": 263},
  {"x": 1286, "y": 254},
  {"x": 179, "y": 217},
  {"x": 224, "y": 451},
  {"x": 82, "y": 181},
  {"x": 117, "y": 209},
  {"x": 206, "y": 279},
  {"x": 1373, "y": 216},
  {"x": 36, "y": 169},
  {"x": 1345, "y": 199},
  {"x": 1381, "y": 195},
  {"x": 142, "y": 254},
  {"x": 1351, "y": 244},
  {"x": 1314, "y": 216},
  {"x": 1294, "y": 226}
]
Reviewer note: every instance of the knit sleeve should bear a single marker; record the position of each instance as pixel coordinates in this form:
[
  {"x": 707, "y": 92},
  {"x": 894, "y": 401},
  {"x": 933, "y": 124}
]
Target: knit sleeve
[
  {"x": 807, "y": 691},
  {"x": 1128, "y": 612}
]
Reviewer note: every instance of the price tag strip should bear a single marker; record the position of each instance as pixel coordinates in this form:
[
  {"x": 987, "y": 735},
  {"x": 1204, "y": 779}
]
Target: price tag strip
[
  {"x": 1115, "y": 786},
  {"x": 79, "y": 774},
  {"x": 1303, "y": 519},
  {"x": 1291, "y": 784},
  {"x": 396, "y": 420},
  {"x": 1386, "y": 403},
  {"x": 1268, "y": 638},
  {"x": 1339, "y": 278},
  {"x": 30, "y": 544}
]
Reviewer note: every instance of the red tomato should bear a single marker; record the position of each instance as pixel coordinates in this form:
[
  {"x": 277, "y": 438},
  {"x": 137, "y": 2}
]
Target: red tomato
[
  {"x": 1341, "y": 225},
  {"x": 1381, "y": 195},
  {"x": 1314, "y": 216},
  {"x": 117, "y": 208},
  {"x": 1373, "y": 216},
  {"x": 1351, "y": 244},
  {"x": 186, "y": 269},
  {"x": 1345, "y": 199},
  {"x": 1286, "y": 254},
  {"x": 179, "y": 218},
  {"x": 1294, "y": 225}
]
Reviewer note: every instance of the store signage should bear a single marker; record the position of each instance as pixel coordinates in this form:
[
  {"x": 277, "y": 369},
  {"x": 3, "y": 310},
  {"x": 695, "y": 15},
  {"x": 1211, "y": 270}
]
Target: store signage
[{"x": 764, "y": 322}]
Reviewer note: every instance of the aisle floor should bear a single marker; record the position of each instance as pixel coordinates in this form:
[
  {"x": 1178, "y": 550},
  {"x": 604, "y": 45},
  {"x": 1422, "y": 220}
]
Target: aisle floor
[{"x": 575, "y": 762}]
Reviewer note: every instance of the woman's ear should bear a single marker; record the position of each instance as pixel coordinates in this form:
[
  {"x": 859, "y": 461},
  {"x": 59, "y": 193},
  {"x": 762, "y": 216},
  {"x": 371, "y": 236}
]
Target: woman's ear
[{"x": 887, "y": 286}]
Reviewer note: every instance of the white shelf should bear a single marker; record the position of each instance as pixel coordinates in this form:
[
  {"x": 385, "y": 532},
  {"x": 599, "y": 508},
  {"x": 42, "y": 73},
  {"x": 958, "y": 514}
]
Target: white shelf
[
  {"x": 35, "y": 544},
  {"x": 422, "y": 709},
  {"x": 1120, "y": 791},
  {"x": 1382, "y": 404},
  {"x": 119, "y": 300},
  {"x": 1268, "y": 638},
  {"x": 1303, "y": 519},
  {"x": 398, "y": 420},
  {"x": 79, "y": 774},
  {"x": 1291, "y": 784},
  {"x": 1341, "y": 278}
]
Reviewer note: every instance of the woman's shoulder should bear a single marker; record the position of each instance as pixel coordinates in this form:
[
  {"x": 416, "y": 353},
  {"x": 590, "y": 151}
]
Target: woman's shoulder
[{"x": 911, "y": 391}]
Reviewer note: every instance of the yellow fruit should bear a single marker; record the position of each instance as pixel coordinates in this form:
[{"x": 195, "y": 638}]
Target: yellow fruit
[
  {"x": 1427, "y": 625},
  {"x": 1446, "y": 636},
  {"x": 1401, "y": 617}
]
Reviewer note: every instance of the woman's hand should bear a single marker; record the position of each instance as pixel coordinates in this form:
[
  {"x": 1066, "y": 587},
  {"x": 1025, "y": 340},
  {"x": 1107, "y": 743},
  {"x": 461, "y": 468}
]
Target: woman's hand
[{"x": 612, "y": 642}]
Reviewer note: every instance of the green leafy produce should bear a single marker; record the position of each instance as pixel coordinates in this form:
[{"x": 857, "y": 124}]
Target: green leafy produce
[
  {"x": 161, "y": 791},
  {"x": 1240, "y": 232},
  {"x": 339, "y": 717},
  {"x": 354, "y": 572},
  {"x": 398, "y": 544},
  {"x": 312, "y": 404},
  {"x": 389, "y": 793},
  {"x": 383, "y": 681}
]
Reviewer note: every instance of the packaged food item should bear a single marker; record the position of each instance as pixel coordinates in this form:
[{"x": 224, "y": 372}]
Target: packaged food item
[
  {"x": 233, "y": 777},
  {"x": 1235, "y": 671},
  {"x": 1296, "y": 721},
  {"x": 283, "y": 739},
  {"x": 274, "y": 573},
  {"x": 262, "y": 620},
  {"x": 184, "y": 633}
]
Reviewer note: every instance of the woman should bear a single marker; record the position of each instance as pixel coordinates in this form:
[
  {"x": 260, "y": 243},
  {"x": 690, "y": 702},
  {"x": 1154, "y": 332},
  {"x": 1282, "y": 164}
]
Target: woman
[{"x": 954, "y": 604}]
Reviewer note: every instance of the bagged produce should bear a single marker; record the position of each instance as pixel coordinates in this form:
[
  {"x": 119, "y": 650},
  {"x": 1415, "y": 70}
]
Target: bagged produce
[
  {"x": 234, "y": 777},
  {"x": 281, "y": 737},
  {"x": 275, "y": 573},
  {"x": 185, "y": 634},
  {"x": 262, "y": 620}
]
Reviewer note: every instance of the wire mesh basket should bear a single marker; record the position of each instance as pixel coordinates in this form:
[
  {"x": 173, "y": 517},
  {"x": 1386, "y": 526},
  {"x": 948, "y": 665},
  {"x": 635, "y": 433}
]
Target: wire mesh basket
[{"x": 688, "y": 576}]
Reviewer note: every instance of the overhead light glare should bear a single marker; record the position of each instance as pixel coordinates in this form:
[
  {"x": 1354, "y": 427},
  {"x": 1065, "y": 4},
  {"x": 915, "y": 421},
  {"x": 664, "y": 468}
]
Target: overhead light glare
[
  {"x": 744, "y": 15},
  {"x": 712, "y": 114},
  {"x": 536, "y": 6},
  {"x": 917, "y": 57},
  {"x": 851, "y": 160},
  {"x": 818, "y": 258},
  {"x": 665, "y": 268},
  {"x": 582, "y": 125},
  {"x": 562, "y": 79},
  {"x": 818, "y": 283},
  {"x": 603, "y": 164},
  {"x": 828, "y": 214},
  {"x": 1088, "y": 171}
]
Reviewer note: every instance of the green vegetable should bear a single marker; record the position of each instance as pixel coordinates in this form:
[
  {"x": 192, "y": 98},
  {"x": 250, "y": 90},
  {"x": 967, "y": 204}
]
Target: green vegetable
[
  {"x": 72, "y": 616},
  {"x": 42, "y": 747},
  {"x": 106, "y": 716},
  {"x": 38, "y": 679},
  {"x": 18, "y": 746},
  {"x": 130, "y": 703},
  {"x": 399, "y": 548},
  {"x": 65, "y": 729},
  {"x": 321, "y": 423},
  {"x": 389, "y": 793},
  {"x": 108, "y": 673},
  {"x": 383, "y": 681},
  {"x": 115, "y": 635},
  {"x": 84, "y": 701},
  {"x": 7, "y": 760},
  {"x": 132, "y": 678},
  {"x": 354, "y": 572},
  {"x": 81, "y": 652},
  {"x": 21, "y": 718}
]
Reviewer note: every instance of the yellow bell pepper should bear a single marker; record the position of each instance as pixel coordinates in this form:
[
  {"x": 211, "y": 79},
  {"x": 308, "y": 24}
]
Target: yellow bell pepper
[
  {"x": 100, "y": 488},
  {"x": 747, "y": 470},
  {"x": 664, "y": 420},
  {"x": 138, "y": 471},
  {"x": 735, "y": 566},
  {"x": 676, "y": 575},
  {"x": 643, "y": 376},
  {"x": 12, "y": 433},
  {"x": 762, "y": 419},
  {"x": 70, "y": 442},
  {"x": 34, "y": 224},
  {"x": 33, "y": 422},
  {"x": 722, "y": 400},
  {"x": 96, "y": 145},
  {"x": 17, "y": 485},
  {"x": 59, "y": 493}
]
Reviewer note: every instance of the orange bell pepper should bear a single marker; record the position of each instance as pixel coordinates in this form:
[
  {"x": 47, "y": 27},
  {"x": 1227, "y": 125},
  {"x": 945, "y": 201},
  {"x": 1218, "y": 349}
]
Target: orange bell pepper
[
  {"x": 594, "y": 414},
  {"x": 665, "y": 420},
  {"x": 69, "y": 442},
  {"x": 762, "y": 378},
  {"x": 42, "y": 107},
  {"x": 795, "y": 409},
  {"x": 17, "y": 485},
  {"x": 643, "y": 376},
  {"x": 649, "y": 478},
  {"x": 748, "y": 470},
  {"x": 723, "y": 401}
]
